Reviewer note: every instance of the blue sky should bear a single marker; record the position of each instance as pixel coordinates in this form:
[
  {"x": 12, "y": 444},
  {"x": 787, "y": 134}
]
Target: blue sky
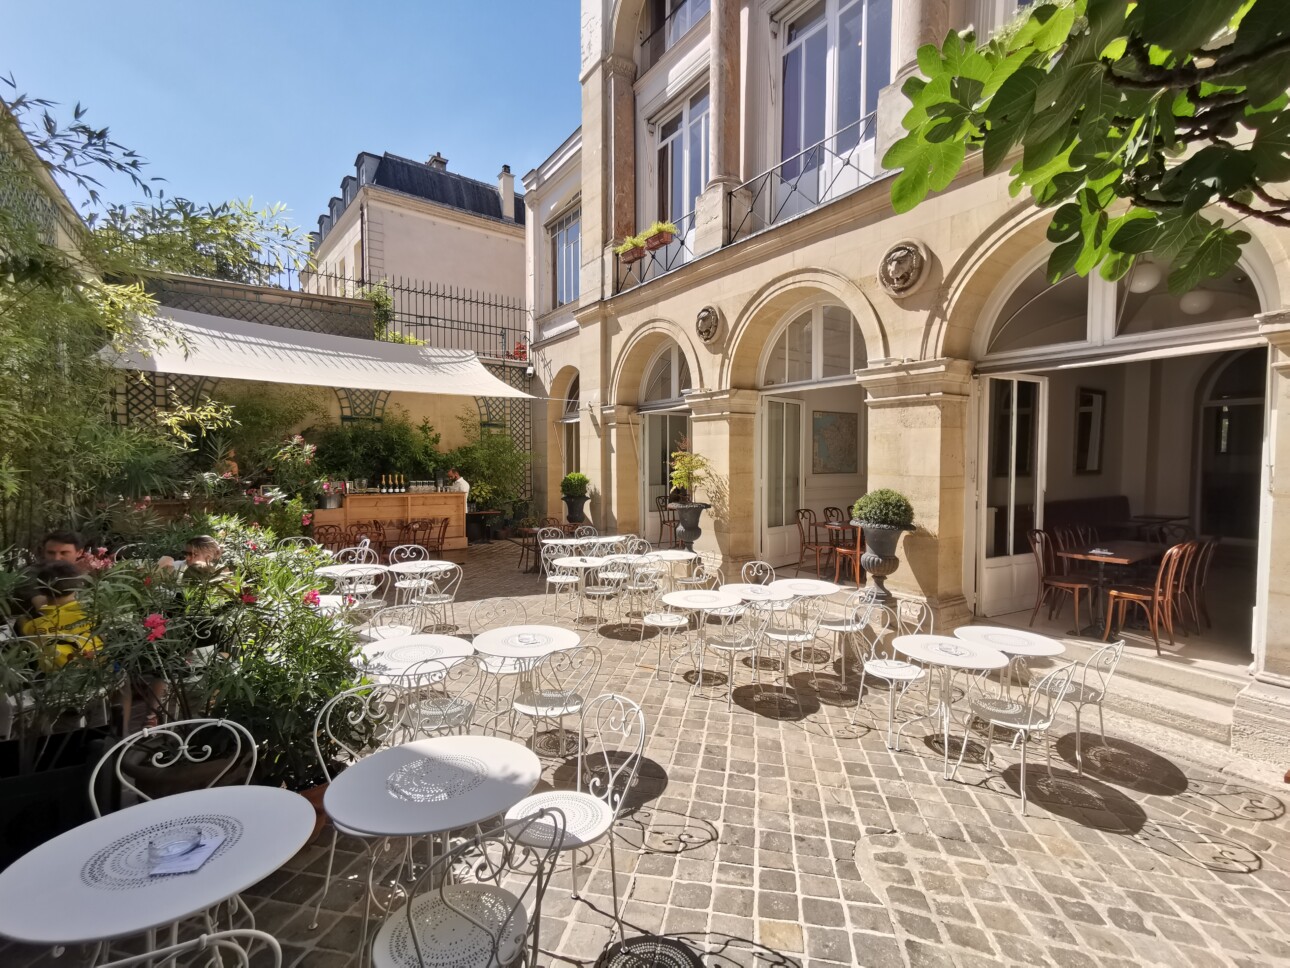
[{"x": 274, "y": 98}]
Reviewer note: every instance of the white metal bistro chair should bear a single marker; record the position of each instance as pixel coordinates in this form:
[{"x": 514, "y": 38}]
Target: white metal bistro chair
[
  {"x": 439, "y": 596},
  {"x": 757, "y": 573},
  {"x": 1088, "y": 687},
  {"x": 666, "y": 622},
  {"x": 394, "y": 621},
  {"x": 603, "y": 586},
  {"x": 545, "y": 535},
  {"x": 558, "y": 580},
  {"x": 739, "y": 633},
  {"x": 611, "y": 742},
  {"x": 353, "y": 724},
  {"x": 235, "y": 944},
  {"x": 585, "y": 531},
  {"x": 297, "y": 541},
  {"x": 1029, "y": 716},
  {"x": 359, "y": 554},
  {"x": 557, "y": 689},
  {"x": 480, "y": 903},
  {"x": 845, "y": 626},
  {"x": 445, "y": 697},
  {"x": 705, "y": 573},
  {"x": 874, "y": 624},
  {"x": 795, "y": 628}
]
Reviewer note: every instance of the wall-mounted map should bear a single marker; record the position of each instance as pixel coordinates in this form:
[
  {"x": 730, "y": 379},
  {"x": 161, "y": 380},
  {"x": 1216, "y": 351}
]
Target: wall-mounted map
[{"x": 834, "y": 442}]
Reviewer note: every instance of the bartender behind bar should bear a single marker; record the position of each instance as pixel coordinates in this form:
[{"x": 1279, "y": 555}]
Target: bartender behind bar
[{"x": 457, "y": 482}]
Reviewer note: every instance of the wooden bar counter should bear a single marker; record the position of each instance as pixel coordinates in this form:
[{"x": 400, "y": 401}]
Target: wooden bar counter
[{"x": 395, "y": 509}]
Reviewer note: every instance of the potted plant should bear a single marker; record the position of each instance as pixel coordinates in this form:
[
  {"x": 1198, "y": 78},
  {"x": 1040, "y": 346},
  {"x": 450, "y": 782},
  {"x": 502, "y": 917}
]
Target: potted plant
[
  {"x": 658, "y": 235},
  {"x": 573, "y": 491},
  {"x": 882, "y": 515},
  {"x": 331, "y": 494},
  {"x": 689, "y": 471},
  {"x": 631, "y": 249}
]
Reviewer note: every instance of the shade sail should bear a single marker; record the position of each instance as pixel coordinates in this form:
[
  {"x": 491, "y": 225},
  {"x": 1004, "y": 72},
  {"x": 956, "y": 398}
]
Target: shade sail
[{"x": 197, "y": 344}]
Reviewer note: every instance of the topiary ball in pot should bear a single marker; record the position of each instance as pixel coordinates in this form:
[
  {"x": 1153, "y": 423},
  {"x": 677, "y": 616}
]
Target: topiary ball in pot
[
  {"x": 573, "y": 491},
  {"x": 882, "y": 515}
]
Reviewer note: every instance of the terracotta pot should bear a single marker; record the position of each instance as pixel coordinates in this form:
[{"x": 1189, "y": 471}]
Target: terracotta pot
[
  {"x": 658, "y": 240},
  {"x": 314, "y": 795},
  {"x": 632, "y": 255}
]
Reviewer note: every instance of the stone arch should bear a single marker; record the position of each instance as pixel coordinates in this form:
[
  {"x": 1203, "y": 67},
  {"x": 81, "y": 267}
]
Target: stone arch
[
  {"x": 1012, "y": 239},
  {"x": 629, "y": 367},
  {"x": 766, "y": 310},
  {"x": 624, "y": 28}
]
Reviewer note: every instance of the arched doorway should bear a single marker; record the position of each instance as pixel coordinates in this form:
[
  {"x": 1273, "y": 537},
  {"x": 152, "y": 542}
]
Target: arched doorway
[
  {"x": 811, "y": 432},
  {"x": 665, "y": 422},
  {"x": 1088, "y": 394}
]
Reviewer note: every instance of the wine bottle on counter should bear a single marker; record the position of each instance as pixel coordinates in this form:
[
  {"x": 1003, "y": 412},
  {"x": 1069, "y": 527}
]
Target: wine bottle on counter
[{"x": 385, "y": 484}]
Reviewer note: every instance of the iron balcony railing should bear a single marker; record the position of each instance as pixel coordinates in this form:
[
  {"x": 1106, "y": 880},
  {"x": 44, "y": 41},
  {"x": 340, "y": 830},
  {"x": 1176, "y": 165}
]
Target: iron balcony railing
[
  {"x": 838, "y": 165},
  {"x": 664, "y": 37},
  {"x": 628, "y": 275}
]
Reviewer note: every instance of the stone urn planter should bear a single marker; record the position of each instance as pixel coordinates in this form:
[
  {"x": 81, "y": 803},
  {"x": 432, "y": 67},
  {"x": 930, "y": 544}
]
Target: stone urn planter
[
  {"x": 687, "y": 517},
  {"x": 879, "y": 557},
  {"x": 574, "y": 509}
]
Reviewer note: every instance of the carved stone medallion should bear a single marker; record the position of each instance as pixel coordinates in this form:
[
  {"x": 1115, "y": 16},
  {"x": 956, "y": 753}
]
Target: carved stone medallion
[
  {"x": 903, "y": 268},
  {"x": 708, "y": 323}
]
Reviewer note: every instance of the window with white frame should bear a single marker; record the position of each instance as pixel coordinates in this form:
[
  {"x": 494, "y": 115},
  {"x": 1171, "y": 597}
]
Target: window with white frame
[
  {"x": 683, "y": 162},
  {"x": 817, "y": 344},
  {"x": 667, "y": 21},
  {"x": 566, "y": 257},
  {"x": 836, "y": 58},
  {"x": 569, "y": 428}
]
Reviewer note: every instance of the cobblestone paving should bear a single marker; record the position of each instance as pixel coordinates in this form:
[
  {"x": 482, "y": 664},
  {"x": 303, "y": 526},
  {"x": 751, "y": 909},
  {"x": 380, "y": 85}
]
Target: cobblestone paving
[{"x": 779, "y": 834}]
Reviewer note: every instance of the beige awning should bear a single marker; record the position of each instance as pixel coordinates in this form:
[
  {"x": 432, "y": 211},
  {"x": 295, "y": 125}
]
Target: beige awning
[{"x": 197, "y": 344}]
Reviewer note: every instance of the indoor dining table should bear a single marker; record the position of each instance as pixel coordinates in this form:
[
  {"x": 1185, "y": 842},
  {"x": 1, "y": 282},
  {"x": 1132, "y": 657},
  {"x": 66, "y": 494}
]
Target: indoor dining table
[{"x": 1115, "y": 552}]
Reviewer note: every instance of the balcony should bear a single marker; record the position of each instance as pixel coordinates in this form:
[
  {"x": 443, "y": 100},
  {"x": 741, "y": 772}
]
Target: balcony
[
  {"x": 667, "y": 34},
  {"x": 839, "y": 165},
  {"x": 657, "y": 262}
]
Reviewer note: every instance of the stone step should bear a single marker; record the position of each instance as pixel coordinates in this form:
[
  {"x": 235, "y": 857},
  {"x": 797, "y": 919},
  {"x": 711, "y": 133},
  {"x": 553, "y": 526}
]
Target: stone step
[
  {"x": 1167, "y": 673},
  {"x": 1206, "y": 718}
]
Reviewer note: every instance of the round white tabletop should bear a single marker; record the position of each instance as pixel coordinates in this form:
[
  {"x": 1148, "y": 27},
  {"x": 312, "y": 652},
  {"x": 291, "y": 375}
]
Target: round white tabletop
[
  {"x": 701, "y": 600},
  {"x": 579, "y": 542},
  {"x": 580, "y": 563},
  {"x": 377, "y": 633},
  {"x": 672, "y": 554},
  {"x": 1010, "y": 641},
  {"x": 758, "y": 593},
  {"x": 806, "y": 587},
  {"x": 344, "y": 572},
  {"x": 944, "y": 650},
  {"x": 419, "y": 567},
  {"x": 525, "y": 641},
  {"x": 432, "y": 785},
  {"x": 92, "y": 883},
  {"x": 395, "y": 656},
  {"x": 332, "y": 604},
  {"x": 631, "y": 560}
]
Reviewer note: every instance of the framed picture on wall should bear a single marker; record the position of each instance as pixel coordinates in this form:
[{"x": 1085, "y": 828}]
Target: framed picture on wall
[
  {"x": 835, "y": 442},
  {"x": 1090, "y": 423}
]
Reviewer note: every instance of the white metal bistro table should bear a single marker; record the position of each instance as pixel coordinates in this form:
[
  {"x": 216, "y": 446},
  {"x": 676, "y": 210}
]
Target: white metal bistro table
[
  {"x": 390, "y": 658},
  {"x": 432, "y": 785},
  {"x": 946, "y": 655},
  {"x": 672, "y": 557},
  {"x": 93, "y": 883},
  {"x": 581, "y": 564},
  {"x": 806, "y": 587},
  {"x": 525, "y": 641},
  {"x": 758, "y": 593},
  {"x": 351, "y": 572},
  {"x": 423, "y": 567},
  {"x": 1018, "y": 644},
  {"x": 702, "y": 601}
]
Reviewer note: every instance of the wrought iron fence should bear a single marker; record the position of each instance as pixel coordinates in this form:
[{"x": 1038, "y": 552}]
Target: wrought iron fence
[
  {"x": 838, "y": 165},
  {"x": 656, "y": 262}
]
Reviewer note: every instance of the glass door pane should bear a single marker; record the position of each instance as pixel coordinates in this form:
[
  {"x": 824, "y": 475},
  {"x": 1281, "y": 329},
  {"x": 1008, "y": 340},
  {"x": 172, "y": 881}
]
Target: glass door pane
[{"x": 774, "y": 464}]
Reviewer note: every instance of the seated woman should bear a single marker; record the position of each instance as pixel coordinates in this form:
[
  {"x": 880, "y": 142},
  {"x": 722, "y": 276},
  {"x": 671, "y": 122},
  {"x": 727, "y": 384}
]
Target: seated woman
[
  {"x": 201, "y": 557},
  {"x": 62, "y": 618}
]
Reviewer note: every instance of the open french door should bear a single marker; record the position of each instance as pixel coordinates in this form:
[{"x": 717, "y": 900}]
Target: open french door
[
  {"x": 1010, "y": 490},
  {"x": 782, "y": 466}
]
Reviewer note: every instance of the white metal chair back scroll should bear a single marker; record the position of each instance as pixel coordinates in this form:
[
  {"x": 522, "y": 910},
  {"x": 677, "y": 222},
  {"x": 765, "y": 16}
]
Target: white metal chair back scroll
[
  {"x": 230, "y": 948},
  {"x": 190, "y": 741}
]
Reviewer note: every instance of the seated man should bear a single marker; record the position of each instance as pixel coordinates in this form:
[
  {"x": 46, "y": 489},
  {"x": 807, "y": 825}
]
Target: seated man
[
  {"x": 66, "y": 546},
  {"x": 62, "y": 618}
]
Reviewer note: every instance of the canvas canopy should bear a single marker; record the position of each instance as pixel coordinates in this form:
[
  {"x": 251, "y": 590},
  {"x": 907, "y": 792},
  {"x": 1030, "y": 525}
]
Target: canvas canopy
[{"x": 197, "y": 344}]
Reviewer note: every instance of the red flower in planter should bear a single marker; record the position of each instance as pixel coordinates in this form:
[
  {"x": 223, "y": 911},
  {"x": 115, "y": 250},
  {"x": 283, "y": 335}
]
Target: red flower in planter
[
  {"x": 156, "y": 626},
  {"x": 312, "y": 597}
]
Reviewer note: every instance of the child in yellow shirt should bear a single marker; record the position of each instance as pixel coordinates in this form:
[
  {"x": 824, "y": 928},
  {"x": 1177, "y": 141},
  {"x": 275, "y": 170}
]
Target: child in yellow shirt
[{"x": 62, "y": 619}]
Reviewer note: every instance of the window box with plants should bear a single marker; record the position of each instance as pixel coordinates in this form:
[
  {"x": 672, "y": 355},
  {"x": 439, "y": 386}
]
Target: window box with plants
[
  {"x": 689, "y": 471},
  {"x": 631, "y": 249},
  {"x": 573, "y": 491},
  {"x": 658, "y": 235},
  {"x": 882, "y": 515}
]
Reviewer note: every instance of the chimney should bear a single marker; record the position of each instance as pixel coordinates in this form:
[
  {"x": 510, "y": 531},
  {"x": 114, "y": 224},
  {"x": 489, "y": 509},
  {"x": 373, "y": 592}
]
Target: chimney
[
  {"x": 438, "y": 162},
  {"x": 506, "y": 188}
]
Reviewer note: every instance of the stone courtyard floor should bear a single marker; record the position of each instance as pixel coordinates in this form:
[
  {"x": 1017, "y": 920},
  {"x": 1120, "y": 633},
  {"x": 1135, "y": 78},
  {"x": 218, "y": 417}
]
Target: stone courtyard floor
[{"x": 779, "y": 834}]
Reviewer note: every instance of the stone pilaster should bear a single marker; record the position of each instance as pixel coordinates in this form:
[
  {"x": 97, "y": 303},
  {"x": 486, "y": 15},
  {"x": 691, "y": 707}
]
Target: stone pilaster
[
  {"x": 1261, "y": 716},
  {"x": 722, "y": 430},
  {"x": 917, "y": 423},
  {"x": 620, "y": 502},
  {"x": 916, "y": 22},
  {"x": 712, "y": 213}
]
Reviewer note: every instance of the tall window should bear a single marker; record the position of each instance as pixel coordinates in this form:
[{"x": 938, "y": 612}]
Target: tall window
[
  {"x": 683, "y": 159},
  {"x": 837, "y": 57},
  {"x": 669, "y": 21},
  {"x": 666, "y": 378},
  {"x": 566, "y": 256}
]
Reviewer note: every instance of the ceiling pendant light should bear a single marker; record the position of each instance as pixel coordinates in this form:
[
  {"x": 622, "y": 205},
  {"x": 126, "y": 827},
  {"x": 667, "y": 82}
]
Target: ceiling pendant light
[{"x": 1145, "y": 277}]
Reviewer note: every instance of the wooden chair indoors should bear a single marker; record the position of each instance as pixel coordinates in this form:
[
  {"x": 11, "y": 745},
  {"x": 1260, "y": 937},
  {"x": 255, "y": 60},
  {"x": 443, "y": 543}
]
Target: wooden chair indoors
[
  {"x": 1157, "y": 601},
  {"x": 806, "y": 526},
  {"x": 849, "y": 553},
  {"x": 1203, "y": 565},
  {"x": 667, "y": 522},
  {"x": 1053, "y": 582}
]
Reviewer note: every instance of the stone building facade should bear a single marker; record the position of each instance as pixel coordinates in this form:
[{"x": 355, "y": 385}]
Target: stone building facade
[{"x": 813, "y": 344}]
